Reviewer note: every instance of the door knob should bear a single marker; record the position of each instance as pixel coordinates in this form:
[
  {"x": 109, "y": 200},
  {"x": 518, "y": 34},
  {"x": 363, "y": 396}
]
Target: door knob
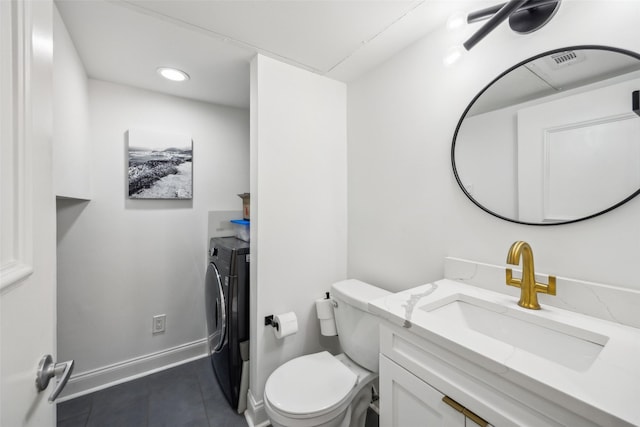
[{"x": 47, "y": 370}]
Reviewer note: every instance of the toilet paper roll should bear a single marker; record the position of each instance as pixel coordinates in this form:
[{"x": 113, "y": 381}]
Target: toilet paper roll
[
  {"x": 328, "y": 327},
  {"x": 324, "y": 308},
  {"x": 287, "y": 324}
]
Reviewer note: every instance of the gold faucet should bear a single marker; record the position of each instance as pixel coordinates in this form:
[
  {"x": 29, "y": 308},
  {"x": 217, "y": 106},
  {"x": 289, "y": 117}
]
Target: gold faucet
[{"x": 528, "y": 285}]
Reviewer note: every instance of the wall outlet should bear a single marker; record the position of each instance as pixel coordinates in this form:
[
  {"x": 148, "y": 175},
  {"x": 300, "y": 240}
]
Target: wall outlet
[{"x": 159, "y": 323}]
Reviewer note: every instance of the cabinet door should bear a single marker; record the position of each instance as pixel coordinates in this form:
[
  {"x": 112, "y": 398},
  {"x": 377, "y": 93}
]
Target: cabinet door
[{"x": 407, "y": 401}]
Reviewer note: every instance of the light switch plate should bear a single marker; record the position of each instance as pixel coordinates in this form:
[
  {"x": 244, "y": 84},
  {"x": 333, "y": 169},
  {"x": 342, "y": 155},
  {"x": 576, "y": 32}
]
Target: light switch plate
[{"x": 159, "y": 323}]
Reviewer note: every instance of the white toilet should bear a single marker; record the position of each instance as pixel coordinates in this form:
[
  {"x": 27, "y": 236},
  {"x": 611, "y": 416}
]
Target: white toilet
[{"x": 322, "y": 390}]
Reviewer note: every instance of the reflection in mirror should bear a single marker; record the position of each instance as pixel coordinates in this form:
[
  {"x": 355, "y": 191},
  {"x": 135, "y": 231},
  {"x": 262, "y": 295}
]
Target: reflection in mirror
[{"x": 553, "y": 140}]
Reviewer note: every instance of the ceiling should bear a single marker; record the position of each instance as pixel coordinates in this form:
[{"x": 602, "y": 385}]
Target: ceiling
[
  {"x": 555, "y": 73},
  {"x": 125, "y": 41}
]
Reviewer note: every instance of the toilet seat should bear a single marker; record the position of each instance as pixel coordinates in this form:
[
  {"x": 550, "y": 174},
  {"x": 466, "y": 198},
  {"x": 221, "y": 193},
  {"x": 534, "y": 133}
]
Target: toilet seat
[{"x": 310, "y": 386}]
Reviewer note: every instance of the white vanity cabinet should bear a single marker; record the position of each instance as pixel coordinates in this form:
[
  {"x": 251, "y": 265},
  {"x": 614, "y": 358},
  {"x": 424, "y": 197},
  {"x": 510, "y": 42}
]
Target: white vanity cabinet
[{"x": 417, "y": 373}]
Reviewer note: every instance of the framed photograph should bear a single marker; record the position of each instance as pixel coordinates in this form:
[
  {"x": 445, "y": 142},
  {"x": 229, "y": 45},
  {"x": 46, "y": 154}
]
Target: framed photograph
[{"x": 160, "y": 165}]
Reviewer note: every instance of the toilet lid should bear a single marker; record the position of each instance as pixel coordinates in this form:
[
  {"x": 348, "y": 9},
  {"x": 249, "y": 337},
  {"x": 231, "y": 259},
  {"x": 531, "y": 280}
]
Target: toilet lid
[{"x": 309, "y": 385}]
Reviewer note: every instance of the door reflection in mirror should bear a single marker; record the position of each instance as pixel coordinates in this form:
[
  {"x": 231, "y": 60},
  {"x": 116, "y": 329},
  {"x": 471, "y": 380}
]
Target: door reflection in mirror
[{"x": 554, "y": 139}]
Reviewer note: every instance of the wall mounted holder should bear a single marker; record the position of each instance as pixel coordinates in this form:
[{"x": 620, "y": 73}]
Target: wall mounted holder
[
  {"x": 269, "y": 321},
  {"x": 635, "y": 101}
]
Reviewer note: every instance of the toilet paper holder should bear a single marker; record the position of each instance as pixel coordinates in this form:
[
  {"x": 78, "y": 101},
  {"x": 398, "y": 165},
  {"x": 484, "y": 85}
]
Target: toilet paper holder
[
  {"x": 269, "y": 321},
  {"x": 334, "y": 303}
]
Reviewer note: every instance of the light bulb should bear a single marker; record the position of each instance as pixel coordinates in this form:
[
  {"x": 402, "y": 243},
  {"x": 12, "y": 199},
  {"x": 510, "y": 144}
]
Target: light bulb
[
  {"x": 453, "y": 55},
  {"x": 456, "y": 20}
]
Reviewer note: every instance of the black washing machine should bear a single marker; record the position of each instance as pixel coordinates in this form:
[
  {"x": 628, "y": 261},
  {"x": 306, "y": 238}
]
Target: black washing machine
[{"x": 227, "y": 300}]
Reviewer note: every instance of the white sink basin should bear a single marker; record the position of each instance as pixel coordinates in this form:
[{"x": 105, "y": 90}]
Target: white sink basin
[{"x": 567, "y": 345}]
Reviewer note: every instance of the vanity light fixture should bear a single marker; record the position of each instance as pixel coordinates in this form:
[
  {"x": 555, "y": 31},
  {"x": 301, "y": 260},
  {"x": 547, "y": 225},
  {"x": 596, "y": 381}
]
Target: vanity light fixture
[
  {"x": 525, "y": 16},
  {"x": 173, "y": 74}
]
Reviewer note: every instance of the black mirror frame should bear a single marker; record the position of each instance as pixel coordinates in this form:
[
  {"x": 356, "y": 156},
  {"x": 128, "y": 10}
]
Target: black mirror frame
[{"x": 464, "y": 115}]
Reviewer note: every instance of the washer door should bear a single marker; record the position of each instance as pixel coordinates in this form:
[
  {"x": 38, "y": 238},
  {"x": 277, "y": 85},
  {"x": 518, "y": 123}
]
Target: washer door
[{"x": 216, "y": 311}]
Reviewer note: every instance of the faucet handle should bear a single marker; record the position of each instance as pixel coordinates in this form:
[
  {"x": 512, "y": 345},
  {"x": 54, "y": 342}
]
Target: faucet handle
[
  {"x": 511, "y": 281},
  {"x": 528, "y": 298},
  {"x": 549, "y": 288}
]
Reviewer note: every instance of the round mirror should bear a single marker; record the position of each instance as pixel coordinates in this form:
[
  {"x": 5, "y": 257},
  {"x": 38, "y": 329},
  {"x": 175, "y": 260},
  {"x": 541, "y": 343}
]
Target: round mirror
[{"x": 554, "y": 139}]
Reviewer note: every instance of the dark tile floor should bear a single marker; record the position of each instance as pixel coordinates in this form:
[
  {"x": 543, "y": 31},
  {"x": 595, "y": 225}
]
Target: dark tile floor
[{"x": 185, "y": 396}]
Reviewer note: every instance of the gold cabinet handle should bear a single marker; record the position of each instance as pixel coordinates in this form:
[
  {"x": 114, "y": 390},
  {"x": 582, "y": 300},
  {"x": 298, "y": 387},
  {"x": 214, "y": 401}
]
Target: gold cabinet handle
[
  {"x": 475, "y": 418},
  {"x": 455, "y": 405},
  {"x": 467, "y": 413}
]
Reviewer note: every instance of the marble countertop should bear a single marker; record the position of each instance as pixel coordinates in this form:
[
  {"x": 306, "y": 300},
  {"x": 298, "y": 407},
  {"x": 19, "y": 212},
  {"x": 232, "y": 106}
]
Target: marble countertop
[{"x": 610, "y": 383}]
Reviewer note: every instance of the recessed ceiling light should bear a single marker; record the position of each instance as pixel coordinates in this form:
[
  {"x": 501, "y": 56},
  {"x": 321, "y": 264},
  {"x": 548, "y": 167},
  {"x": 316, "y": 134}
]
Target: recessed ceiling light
[{"x": 173, "y": 74}]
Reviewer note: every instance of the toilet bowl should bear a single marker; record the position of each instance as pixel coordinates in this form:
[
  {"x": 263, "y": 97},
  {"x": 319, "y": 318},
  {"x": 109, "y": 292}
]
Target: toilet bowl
[
  {"x": 323, "y": 390},
  {"x": 317, "y": 390}
]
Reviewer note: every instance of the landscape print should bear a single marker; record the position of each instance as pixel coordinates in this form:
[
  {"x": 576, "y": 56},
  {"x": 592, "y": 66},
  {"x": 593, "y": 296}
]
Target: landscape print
[{"x": 160, "y": 165}]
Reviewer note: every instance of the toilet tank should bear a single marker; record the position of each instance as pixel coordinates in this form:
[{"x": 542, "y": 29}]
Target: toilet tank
[{"x": 358, "y": 330}]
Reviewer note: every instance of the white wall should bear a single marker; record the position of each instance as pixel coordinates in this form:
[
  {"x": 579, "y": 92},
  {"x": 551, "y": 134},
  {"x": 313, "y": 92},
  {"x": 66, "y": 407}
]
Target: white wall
[
  {"x": 122, "y": 261},
  {"x": 406, "y": 211},
  {"x": 298, "y": 207},
  {"x": 71, "y": 139}
]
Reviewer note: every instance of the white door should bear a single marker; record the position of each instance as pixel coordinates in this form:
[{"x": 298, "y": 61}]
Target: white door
[
  {"x": 407, "y": 401},
  {"x": 567, "y": 146},
  {"x": 27, "y": 212}
]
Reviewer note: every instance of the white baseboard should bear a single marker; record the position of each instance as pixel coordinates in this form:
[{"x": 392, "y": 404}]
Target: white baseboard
[
  {"x": 107, "y": 376},
  {"x": 255, "y": 413}
]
